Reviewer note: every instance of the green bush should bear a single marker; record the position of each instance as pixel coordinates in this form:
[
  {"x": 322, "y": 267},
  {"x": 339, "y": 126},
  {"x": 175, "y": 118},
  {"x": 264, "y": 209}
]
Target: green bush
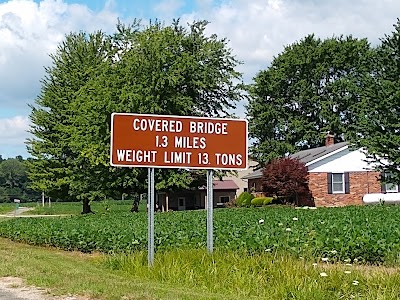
[
  {"x": 260, "y": 201},
  {"x": 268, "y": 200},
  {"x": 240, "y": 199},
  {"x": 244, "y": 199},
  {"x": 257, "y": 201}
]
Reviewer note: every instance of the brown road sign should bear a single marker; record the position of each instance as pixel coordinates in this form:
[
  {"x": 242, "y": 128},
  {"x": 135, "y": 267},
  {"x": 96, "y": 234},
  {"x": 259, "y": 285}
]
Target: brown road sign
[{"x": 139, "y": 140}]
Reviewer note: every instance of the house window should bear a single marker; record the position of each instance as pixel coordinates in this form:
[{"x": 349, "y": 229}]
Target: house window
[
  {"x": 224, "y": 199},
  {"x": 390, "y": 187},
  {"x": 338, "y": 183}
]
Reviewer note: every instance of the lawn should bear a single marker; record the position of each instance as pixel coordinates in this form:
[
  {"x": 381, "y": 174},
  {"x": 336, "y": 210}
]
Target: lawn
[
  {"x": 193, "y": 274},
  {"x": 72, "y": 208},
  {"x": 7, "y": 207}
]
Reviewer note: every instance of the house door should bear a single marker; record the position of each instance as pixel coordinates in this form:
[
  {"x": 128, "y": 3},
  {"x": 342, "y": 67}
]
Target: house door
[{"x": 181, "y": 203}]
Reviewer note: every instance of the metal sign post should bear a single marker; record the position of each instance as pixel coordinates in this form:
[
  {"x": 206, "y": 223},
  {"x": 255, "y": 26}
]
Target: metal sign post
[
  {"x": 150, "y": 214},
  {"x": 210, "y": 207},
  {"x": 165, "y": 141}
]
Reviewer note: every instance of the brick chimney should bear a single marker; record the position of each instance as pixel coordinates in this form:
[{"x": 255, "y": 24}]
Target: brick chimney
[{"x": 329, "y": 139}]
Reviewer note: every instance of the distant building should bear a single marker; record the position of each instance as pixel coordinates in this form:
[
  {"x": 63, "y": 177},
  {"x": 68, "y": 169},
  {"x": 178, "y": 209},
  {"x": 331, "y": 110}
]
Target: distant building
[
  {"x": 240, "y": 179},
  {"x": 223, "y": 191}
]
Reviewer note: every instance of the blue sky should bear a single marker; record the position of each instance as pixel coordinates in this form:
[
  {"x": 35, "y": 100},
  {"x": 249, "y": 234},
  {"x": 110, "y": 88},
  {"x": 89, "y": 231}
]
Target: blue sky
[{"x": 257, "y": 30}]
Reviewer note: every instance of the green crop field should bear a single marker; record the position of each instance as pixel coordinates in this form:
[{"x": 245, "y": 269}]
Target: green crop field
[{"x": 357, "y": 234}]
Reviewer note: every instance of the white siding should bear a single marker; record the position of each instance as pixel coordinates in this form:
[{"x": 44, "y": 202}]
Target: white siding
[{"x": 343, "y": 161}]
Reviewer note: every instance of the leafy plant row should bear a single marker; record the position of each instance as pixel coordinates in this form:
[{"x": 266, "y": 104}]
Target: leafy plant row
[{"x": 365, "y": 234}]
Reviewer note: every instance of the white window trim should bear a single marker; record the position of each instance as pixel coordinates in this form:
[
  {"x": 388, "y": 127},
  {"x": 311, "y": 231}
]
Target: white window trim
[
  {"x": 343, "y": 183},
  {"x": 396, "y": 186},
  {"x": 394, "y": 190},
  {"x": 220, "y": 199}
]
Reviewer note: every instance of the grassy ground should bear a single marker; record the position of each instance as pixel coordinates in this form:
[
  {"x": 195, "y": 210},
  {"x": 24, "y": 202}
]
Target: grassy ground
[
  {"x": 72, "y": 208},
  {"x": 7, "y": 207},
  {"x": 193, "y": 274}
]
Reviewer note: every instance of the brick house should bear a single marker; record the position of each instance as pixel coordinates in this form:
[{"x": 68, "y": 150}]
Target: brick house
[{"x": 338, "y": 176}]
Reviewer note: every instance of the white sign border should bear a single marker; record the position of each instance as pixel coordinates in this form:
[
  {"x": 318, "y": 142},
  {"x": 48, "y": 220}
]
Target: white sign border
[{"x": 179, "y": 167}]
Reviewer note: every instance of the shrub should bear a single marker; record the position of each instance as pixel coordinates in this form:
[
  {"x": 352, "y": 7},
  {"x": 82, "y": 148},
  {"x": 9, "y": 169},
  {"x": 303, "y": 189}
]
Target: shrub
[
  {"x": 260, "y": 201},
  {"x": 257, "y": 201},
  {"x": 286, "y": 178},
  {"x": 232, "y": 203},
  {"x": 244, "y": 199},
  {"x": 268, "y": 200}
]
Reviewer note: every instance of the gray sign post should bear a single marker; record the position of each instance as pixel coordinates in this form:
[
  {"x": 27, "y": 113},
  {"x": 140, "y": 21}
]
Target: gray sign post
[
  {"x": 150, "y": 214},
  {"x": 210, "y": 207},
  {"x": 165, "y": 141}
]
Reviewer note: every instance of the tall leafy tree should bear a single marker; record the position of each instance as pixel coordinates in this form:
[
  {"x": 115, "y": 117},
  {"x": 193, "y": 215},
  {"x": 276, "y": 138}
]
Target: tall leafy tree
[
  {"x": 378, "y": 118},
  {"x": 309, "y": 89},
  {"x": 75, "y": 62},
  {"x": 143, "y": 69},
  {"x": 13, "y": 173},
  {"x": 163, "y": 70},
  {"x": 13, "y": 179}
]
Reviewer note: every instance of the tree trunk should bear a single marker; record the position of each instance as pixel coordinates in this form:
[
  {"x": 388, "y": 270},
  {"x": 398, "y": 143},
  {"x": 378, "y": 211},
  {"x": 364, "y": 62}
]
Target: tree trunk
[
  {"x": 86, "y": 207},
  {"x": 135, "y": 204}
]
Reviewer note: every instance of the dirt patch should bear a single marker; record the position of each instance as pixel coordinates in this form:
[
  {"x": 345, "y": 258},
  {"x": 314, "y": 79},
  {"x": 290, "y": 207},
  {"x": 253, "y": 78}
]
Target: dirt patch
[
  {"x": 16, "y": 287},
  {"x": 19, "y": 211}
]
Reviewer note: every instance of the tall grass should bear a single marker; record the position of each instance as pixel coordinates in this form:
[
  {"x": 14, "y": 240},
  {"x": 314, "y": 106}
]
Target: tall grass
[
  {"x": 263, "y": 275},
  {"x": 7, "y": 207}
]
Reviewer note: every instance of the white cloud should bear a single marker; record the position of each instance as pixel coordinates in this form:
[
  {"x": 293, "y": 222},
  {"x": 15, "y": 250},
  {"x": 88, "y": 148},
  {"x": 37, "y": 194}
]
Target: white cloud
[
  {"x": 13, "y": 130},
  {"x": 29, "y": 32},
  {"x": 168, "y": 8},
  {"x": 258, "y": 30}
]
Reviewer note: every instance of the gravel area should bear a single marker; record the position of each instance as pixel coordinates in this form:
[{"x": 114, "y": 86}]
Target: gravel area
[{"x": 12, "y": 288}]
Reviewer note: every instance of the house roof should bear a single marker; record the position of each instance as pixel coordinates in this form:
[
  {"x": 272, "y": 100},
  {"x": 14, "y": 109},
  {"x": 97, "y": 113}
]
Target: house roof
[
  {"x": 256, "y": 174},
  {"x": 309, "y": 155},
  {"x": 222, "y": 185},
  {"x": 306, "y": 156}
]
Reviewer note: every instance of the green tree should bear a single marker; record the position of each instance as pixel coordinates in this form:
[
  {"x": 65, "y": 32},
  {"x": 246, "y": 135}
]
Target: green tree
[
  {"x": 286, "y": 178},
  {"x": 13, "y": 173},
  {"x": 13, "y": 179},
  {"x": 4, "y": 194},
  {"x": 142, "y": 69},
  {"x": 378, "y": 124},
  {"x": 309, "y": 89},
  {"x": 77, "y": 59}
]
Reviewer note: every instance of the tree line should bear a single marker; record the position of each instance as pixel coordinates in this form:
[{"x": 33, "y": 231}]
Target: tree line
[
  {"x": 340, "y": 84},
  {"x": 14, "y": 181}
]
